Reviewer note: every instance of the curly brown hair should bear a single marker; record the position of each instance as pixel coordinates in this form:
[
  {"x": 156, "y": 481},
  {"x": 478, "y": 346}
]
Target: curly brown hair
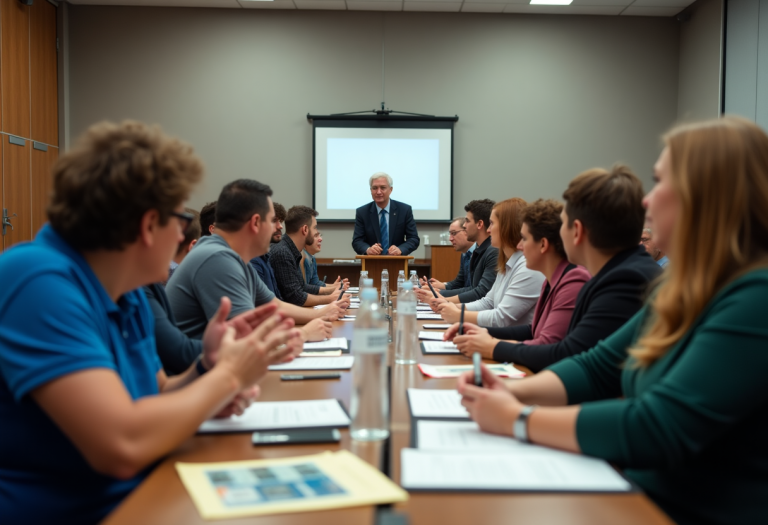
[
  {"x": 112, "y": 177},
  {"x": 543, "y": 220}
]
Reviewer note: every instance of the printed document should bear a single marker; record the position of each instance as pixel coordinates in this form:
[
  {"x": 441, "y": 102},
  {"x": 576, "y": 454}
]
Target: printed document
[
  {"x": 435, "y": 336},
  {"x": 343, "y": 362},
  {"x": 436, "y": 403},
  {"x": 274, "y": 415},
  {"x": 333, "y": 343}
]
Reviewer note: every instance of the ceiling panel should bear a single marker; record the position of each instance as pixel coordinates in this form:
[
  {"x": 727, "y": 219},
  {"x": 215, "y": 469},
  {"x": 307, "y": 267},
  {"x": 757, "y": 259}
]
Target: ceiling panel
[
  {"x": 651, "y": 11},
  {"x": 564, "y": 9},
  {"x": 496, "y": 2},
  {"x": 617, "y": 3},
  {"x": 336, "y": 5},
  {"x": 162, "y": 3},
  {"x": 477, "y": 7},
  {"x": 357, "y": 5},
  {"x": 277, "y": 4},
  {"x": 662, "y": 3},
  {"x": 432, "y": 6}
]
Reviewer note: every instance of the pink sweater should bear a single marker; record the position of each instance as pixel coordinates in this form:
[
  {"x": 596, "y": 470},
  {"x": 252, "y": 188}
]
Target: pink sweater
[{"x": 552, "y": 315}]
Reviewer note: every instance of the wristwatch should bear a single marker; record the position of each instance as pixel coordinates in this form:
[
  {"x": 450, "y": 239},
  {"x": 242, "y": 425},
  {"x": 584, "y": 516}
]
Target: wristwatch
[
  {"x": 520, "y": 426},
  {"x": 199, "y": 366}
]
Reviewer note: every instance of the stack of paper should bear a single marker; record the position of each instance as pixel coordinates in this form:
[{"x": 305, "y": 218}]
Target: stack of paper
[
  {"x": 432, "y": 336},
  {"x": 442, "y": 371},
  {"x": 436, "y": 326},
  {"x": 280, "y": 415},
  {"x": 437, "y": 345},
  {"x": 427, "y": 316},
  {"x": 456, "y": 455},
  {"x": 343, "y": 362},
  {"x": 334, "y": 343}
]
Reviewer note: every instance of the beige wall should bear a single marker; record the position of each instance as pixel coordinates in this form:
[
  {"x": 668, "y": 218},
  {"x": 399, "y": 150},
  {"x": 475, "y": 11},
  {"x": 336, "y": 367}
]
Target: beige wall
[
  {"x": 540, "y": 98},
  {"x": 701, "y": 38}
]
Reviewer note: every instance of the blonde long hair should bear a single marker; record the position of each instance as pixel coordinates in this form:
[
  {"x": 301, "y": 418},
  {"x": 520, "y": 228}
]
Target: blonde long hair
[{"x": 719, "y": 171}]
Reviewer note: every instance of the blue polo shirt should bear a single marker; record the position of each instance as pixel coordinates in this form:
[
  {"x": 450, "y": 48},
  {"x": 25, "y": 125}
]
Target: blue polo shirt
[{"x": 57, "y": 319}]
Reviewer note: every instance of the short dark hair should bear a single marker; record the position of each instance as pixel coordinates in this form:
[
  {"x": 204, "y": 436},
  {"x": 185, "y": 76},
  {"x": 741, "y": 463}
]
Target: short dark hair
[
  {"x": 239, "y": 201},
  {"x": 481, "y": 210},
  {"x": 610, "y": 206},
  {"x": 192, "y": 233},
  {"x": 297, "y": 217},
  {"x": 279, "y": 211},
  {"x": 117, "y": 172},
  {"x": 543, "y": 220},
  {"x": 207, "y": 217}
]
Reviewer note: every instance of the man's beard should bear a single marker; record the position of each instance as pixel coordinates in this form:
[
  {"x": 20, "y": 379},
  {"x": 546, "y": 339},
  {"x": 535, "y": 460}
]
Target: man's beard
[
  {"x": 309, "y": 240},
  {"x": 276, "y": 237}
]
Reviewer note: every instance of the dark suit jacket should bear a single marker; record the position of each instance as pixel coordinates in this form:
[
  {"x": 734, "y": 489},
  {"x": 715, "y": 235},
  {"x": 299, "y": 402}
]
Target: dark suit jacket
[
  {"x": 175, "y": 350},
  {"x": 482, "y": 267},
  {"x": 604, "y": 304},
  {"x": 402, "y": 228}
]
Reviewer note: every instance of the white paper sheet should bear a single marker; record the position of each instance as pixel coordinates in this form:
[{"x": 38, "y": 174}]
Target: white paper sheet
[
  {"x": 437, "y": 346},
  {"x": 343, "y": 362},
  {"x": 542, "y": 470},
  {"x": 436, "y": 403},
  {"x": 441, "y": 371},
  {"x": 423, "y": 308},
  {"x": 329, "y": 344},
  {"x": 432, "y": 336},
  {"x": 463, "y": 436},
  {"x": 436, "y": 326},
  {"x": 282, "y": 414},
  {"x": 427, "y": 316}
]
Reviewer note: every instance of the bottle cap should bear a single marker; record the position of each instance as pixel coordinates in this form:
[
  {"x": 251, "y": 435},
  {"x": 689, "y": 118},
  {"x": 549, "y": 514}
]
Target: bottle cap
[
  {"x": 368, "y": 294},
  {"x": 407, "y": 285}
]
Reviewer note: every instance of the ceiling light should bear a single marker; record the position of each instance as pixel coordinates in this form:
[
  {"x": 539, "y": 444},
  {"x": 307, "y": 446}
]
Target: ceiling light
[{"x": 551, "y": 2}]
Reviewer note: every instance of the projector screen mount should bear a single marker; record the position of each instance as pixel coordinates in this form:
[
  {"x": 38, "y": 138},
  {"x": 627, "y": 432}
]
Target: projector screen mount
[{"x": 416, "y": 150}]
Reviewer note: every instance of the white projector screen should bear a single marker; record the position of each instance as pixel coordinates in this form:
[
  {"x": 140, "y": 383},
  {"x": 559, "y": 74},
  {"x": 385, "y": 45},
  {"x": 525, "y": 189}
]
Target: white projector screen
[{"x": 419, "y": 159}]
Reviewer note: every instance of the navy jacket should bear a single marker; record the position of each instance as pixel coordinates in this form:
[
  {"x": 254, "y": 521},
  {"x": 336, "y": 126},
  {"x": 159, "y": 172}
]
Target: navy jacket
[
  {"x": 605, "y": 303},
  {"x": 402, "y": 228},
  {"x": 176, "y": 351},
  {"x": 482, "y": 272}
]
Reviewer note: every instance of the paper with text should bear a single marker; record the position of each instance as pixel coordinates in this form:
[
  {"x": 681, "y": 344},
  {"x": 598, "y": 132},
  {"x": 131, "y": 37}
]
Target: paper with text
[
  {"x": 343, "y": 362},
  {"x": 328, "y": 344},
  {"x": 269, "y": 415},
  {"x": 434, "y": 336},
  {"x": 436, "y": 403}
]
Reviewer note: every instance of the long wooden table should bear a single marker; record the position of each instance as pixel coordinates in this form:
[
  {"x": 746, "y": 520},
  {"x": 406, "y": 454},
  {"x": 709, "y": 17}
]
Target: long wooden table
[{"x": 162, "y": 499}]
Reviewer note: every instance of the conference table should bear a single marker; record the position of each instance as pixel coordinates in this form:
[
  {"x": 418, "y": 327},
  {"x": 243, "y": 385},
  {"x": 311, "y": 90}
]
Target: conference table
[{"x": 162, "y": 499}]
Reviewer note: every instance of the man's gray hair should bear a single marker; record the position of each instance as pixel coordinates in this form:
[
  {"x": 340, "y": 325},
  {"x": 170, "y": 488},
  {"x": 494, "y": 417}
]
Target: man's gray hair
[
  {"x": 378, "y": 176},
  {"x": 648, "y": 231},
  {"x": 461, "y": 220}
]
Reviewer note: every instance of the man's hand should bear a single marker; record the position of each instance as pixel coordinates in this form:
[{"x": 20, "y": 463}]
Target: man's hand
[
  {"x": 437, "y": 285},
  {"x": 394, "y": 250},
  {"x": 243, "y": 324},
  {"x": 336, "y": 309},
  {"x": 240, "y": 403},
  {"x": 493, "y": 407},
  {"x": 374, "y": 250},
  {"x": 449, "y": 311},
  {"x": 247, "y": 359},
  {"x": 316, "y": 330}
]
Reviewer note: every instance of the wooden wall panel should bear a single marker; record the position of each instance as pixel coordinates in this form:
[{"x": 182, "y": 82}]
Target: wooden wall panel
[
  {"x": 44, "y": 101},
  {"x": 41, "y": 183},
  {"x": 14, "y": 73},
  {"x": 2, "y": 200},
  {"x": 17, "y": 198}
]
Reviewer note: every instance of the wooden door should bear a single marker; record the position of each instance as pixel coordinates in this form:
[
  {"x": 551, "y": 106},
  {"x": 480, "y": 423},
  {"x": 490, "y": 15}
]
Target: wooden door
[
  {"x": 43, "y": 158},
  {"x": 44, "y": 103},
  {"x": 14, "y": 74},
  {"x": 17, "y": 198}
]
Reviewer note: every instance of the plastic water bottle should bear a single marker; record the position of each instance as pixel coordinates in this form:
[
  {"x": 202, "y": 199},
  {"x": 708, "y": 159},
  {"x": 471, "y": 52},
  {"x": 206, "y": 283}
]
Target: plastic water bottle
[
  {"x": 407, "y": 341},
  {"x": 369, "y": 406},
  {"x": 363, "y": 275},
  {"x": 385, "y": 281},
  {"x": 414, "y": 278},
  {"x": 386, "y": 307},
  {"x": 400, "y": 281}
]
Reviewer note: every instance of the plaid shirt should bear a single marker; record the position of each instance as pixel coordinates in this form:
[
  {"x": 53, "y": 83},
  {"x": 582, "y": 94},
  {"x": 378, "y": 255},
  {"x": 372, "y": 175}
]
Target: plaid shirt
[{"x": 285, "y": 259}]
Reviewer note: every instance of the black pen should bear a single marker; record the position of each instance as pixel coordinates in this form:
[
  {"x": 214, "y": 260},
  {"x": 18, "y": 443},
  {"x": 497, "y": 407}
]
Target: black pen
[
  {"x": 298, "y": 377},
  {"x": 341, "y": 293},
  {"x": 430, "y": 287},
  {"x": 461, "y": 320}
]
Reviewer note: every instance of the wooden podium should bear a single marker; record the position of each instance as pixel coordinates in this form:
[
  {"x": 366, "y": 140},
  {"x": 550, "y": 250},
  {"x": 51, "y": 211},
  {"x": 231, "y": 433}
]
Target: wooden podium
[{"x": 375, "y": 264}]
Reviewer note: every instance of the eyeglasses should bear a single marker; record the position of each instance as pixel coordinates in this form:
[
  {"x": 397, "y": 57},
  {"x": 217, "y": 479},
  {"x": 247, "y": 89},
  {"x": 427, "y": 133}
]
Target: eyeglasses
[
  {"x": 185, "y": 219},
  {"x": 454, "y": 233}
]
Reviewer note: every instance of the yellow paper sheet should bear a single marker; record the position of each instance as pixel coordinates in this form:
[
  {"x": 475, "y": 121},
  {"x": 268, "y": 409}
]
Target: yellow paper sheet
[{"x": 233, "y": 489}]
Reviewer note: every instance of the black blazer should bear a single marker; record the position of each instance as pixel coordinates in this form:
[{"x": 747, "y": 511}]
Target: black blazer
[
  {"x": 482, "y": 269},
  {"x": 604, "y": 304},
  {"x": 175, "y": 350},
  {"x": 402, "y": 228}
]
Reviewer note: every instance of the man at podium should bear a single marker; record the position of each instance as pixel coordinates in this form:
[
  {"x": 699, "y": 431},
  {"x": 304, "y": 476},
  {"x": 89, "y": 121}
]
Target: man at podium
[{"x": 385, "y": 226}]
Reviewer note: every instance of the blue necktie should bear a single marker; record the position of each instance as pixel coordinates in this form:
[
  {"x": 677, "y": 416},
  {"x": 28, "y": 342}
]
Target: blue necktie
[
  {"x": 384, "y": 232},
  {"x": 467, "y": 277}
]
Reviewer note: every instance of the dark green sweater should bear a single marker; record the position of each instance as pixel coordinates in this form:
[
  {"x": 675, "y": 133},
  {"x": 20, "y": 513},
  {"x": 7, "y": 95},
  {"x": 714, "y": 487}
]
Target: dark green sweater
[{"x": 692, "y": 430}]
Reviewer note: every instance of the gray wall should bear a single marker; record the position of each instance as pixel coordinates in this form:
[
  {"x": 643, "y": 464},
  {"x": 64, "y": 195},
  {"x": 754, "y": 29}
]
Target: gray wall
[
  {"x": 540, "y": 98},
  {"x": 700, "y": 86},
  {"x": 746, "y": 60}
]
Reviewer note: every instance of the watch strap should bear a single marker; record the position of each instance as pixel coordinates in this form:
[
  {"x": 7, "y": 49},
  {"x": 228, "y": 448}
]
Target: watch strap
[
  {"x": 199, "y": 366},
  {"x": 520, "y": 426}
]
